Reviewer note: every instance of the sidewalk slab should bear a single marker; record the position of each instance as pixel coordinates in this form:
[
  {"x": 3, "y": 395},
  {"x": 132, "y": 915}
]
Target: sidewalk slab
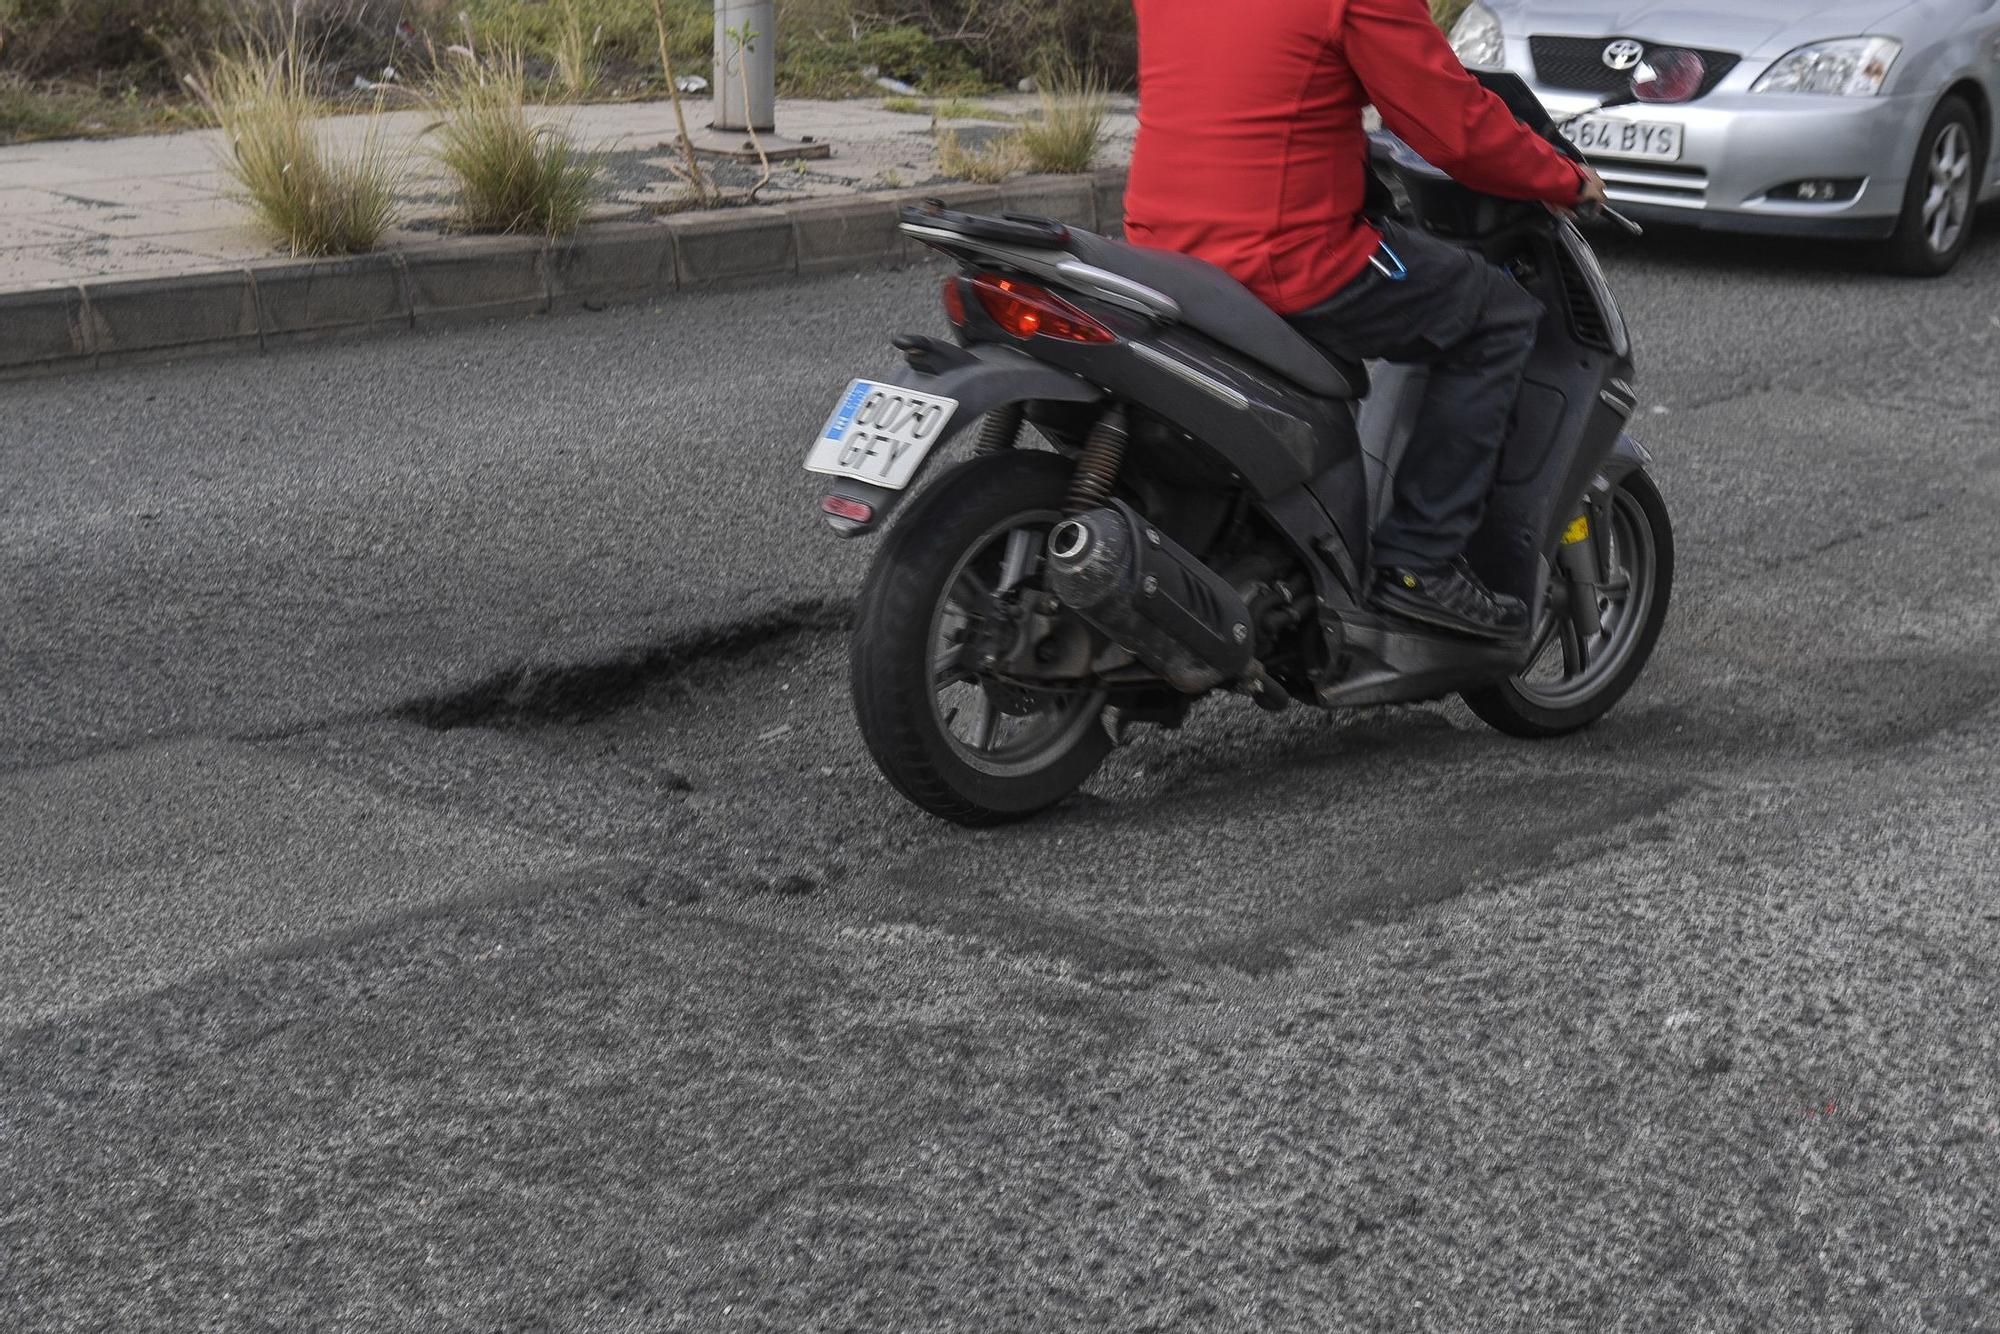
[{"x": 96, "y": 212}]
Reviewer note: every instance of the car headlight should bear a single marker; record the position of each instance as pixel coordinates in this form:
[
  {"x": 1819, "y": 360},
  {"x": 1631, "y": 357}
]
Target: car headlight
[
  {"x": 1476, "y": 38},
  {"x": 1849, "y": 67}
]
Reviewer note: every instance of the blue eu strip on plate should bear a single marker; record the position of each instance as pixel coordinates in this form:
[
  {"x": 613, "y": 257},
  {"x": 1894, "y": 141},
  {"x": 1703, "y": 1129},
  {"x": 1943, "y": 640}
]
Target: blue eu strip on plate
[{"x": 845, "y": 416}]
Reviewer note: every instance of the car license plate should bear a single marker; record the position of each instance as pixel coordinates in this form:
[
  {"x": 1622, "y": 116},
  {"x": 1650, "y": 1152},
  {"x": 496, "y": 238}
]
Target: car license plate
[
  {"x": 880, "y": 433},
  {"x": 1608, "y": 136}
]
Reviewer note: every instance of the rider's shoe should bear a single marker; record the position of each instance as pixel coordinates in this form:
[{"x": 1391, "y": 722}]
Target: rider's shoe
[{"x": 1449, "y": 597}]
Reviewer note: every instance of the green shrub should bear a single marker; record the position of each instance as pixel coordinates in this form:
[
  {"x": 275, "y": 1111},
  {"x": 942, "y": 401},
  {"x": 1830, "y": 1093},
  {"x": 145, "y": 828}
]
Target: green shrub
[
  {"x": 623, "y": 30},
  {"x": 830, "y": 63},
  {"x": 68, "y": 37},
  {"x": 82, "y": 37},
  {"x": 823, "y": 45},
  {"x": 1017, "y": 37},
  {"x": 29, "y": 113}
]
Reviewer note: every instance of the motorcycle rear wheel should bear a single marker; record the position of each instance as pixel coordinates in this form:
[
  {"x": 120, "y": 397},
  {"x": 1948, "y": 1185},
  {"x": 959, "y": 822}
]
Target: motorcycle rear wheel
[
  {"x": 953, "y": 740},
  {"x": 1570, "y": 683}
]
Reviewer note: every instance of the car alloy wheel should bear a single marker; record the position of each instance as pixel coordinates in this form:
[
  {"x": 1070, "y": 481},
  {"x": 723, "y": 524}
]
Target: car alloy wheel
[{"x": 1948, "y": 203}]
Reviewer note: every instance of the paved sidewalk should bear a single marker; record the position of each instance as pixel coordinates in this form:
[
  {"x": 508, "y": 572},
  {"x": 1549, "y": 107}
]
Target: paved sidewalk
[{"x": 160, "y": 205}]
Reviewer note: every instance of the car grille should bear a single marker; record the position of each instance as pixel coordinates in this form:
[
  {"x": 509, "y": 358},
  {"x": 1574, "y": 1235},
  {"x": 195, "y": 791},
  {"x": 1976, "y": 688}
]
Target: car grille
[
  {"x": 1653, "y": 182},
  {"x": 1576, "y": 65}
]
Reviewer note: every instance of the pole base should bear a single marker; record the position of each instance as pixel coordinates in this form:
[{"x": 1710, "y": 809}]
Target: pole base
[{"x": 736, "y": 146}]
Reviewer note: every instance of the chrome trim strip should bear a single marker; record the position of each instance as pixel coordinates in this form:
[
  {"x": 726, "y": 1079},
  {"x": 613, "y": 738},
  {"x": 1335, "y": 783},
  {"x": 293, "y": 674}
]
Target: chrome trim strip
[
  {"x": 1690, "y": 182},
  {"x": 1200, "y": 379},
  {"x": 1157, "y": 303}
]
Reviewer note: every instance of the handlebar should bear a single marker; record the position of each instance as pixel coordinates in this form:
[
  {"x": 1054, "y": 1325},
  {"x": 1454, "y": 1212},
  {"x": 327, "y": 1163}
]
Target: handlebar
[{"x": 1603, "y": 213}]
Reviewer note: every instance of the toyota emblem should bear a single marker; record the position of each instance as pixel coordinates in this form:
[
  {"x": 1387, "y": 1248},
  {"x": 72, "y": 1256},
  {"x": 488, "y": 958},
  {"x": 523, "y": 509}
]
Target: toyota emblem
[{"x": 1624, "y": 54}]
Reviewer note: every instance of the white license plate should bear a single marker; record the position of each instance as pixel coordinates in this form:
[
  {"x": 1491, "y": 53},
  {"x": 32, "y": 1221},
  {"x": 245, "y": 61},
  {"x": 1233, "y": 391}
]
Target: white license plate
[
  {"x": 879, "y": 434},
  {"x": 1608, "y": 136}
]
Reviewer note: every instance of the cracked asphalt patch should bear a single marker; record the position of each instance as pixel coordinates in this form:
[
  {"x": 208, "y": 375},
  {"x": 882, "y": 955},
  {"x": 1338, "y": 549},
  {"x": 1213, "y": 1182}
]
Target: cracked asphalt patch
[{"x": 425, "y": 910}]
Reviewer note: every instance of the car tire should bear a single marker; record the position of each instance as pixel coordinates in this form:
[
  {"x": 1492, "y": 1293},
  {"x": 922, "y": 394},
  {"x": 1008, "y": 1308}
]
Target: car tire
[{"x": 1940, "y": 207}]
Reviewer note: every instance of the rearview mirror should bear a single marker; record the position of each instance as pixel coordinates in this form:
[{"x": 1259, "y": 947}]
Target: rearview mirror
[{"x": 1669, "y": 76}]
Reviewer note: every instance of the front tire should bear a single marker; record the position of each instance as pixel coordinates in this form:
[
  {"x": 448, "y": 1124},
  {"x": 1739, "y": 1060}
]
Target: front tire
[
  {"x": 1571, "y": 682},
  {"x": 1942, "y": 200},
  {"x": 957, "y": 743}
]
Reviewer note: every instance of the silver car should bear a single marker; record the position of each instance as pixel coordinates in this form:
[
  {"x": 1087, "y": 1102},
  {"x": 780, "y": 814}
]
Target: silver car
[{"x": 1865, "y": 119}]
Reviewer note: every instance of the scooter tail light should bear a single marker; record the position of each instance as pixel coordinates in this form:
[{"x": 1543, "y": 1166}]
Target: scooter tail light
[
  {"x": 1027, "y": 311},
  {"x": 845, "y": 507},
  {"x": 954, "y": 302}
]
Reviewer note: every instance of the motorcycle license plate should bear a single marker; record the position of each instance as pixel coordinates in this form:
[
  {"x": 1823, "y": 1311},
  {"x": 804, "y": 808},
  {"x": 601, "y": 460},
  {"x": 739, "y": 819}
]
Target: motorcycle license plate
[
  {"x": 879, "y": 434},
  {"x": 1609, "y": 136}
]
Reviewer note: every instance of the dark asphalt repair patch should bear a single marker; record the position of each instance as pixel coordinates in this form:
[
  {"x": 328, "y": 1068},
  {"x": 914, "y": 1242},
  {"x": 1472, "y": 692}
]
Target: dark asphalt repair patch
[{"x": 1727, "y": 1065}]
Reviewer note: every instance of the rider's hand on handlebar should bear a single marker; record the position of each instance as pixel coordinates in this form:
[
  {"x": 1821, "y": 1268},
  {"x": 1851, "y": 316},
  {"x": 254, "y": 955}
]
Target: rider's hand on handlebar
[{"x": 1590, "y": 198}]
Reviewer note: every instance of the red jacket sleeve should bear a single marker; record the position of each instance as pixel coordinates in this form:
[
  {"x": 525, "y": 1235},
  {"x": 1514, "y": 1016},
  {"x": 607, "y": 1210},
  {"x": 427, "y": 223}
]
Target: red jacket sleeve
[{"x": 1424, "y": 94}]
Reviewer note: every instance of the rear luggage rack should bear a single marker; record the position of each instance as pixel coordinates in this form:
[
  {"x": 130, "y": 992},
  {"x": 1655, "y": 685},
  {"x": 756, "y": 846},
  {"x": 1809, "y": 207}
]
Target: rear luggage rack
[
  {"x": 1037, "y": 247},
  {"x": 1008, "y": 229}
]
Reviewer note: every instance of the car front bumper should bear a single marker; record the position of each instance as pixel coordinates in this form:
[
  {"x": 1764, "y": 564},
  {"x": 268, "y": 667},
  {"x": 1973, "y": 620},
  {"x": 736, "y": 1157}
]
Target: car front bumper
[{"x": 1739, "y": 149}]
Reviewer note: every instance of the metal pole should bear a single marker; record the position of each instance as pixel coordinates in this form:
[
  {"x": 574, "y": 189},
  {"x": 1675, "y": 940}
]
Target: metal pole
[{"x": 756, "y": 67}]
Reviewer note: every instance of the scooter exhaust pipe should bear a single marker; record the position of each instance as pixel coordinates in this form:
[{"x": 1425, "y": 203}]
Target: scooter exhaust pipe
[
  {"x": 1070, "y": 541},
  {"x": 1152, "y": 597}
]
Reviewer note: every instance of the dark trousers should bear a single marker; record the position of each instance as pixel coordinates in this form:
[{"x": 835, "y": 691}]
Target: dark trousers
[{"x": 1475, "y": 327}]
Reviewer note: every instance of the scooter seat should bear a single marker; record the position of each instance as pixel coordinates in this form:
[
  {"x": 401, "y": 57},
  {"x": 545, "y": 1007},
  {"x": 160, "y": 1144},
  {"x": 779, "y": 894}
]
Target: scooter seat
[{"x": 1215, "y": 304}]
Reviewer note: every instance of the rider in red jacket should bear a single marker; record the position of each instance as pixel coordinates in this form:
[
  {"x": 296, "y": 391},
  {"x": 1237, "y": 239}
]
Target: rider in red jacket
[{"x": 1252, "y": 156}]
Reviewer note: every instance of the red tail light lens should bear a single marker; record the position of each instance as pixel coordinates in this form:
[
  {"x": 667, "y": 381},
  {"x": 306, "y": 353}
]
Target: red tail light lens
[
  {"x": 840, "y": 507},
  {"x": 954, "y": 302},
  {"x": 1027, "y": 311}
]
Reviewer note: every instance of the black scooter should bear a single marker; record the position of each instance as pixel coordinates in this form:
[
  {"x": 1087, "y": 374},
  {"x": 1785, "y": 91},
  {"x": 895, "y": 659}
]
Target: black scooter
[{"x": 1201, "y": 515}]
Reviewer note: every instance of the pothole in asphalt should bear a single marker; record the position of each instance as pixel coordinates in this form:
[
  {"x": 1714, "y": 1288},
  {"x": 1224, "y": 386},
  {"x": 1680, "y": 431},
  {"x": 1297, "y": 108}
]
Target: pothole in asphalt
[{"x": 579, "y": 692}]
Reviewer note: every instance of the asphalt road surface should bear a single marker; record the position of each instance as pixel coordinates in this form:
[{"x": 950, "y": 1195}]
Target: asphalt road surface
[{"x": 443, "y": 888}]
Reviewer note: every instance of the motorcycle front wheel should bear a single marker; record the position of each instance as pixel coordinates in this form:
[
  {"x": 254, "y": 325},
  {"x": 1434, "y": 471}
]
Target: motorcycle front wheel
[
  {"x": 1572, "y": 681},
  {"x": 944, "y": 599}
]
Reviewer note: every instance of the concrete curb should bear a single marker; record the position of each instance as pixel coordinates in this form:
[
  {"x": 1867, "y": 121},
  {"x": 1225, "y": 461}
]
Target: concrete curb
[{"x": 274, "y": 302}]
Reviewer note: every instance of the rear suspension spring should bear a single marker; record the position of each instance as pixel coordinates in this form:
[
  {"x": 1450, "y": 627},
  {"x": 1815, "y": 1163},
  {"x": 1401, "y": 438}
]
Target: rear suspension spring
[
  {"x": 1097, "y": 467},
  {"x": 1000, "y": 431}
]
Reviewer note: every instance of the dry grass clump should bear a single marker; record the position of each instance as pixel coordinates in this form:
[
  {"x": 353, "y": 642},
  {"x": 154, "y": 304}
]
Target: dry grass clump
[
  {"x": 1067, "y": 131},
  {"x": 995, "y": 162},
  {"x": 315, "y": 199},
  {"x": 511, "y": 174},
  {"x": 573, "y": 53}
]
